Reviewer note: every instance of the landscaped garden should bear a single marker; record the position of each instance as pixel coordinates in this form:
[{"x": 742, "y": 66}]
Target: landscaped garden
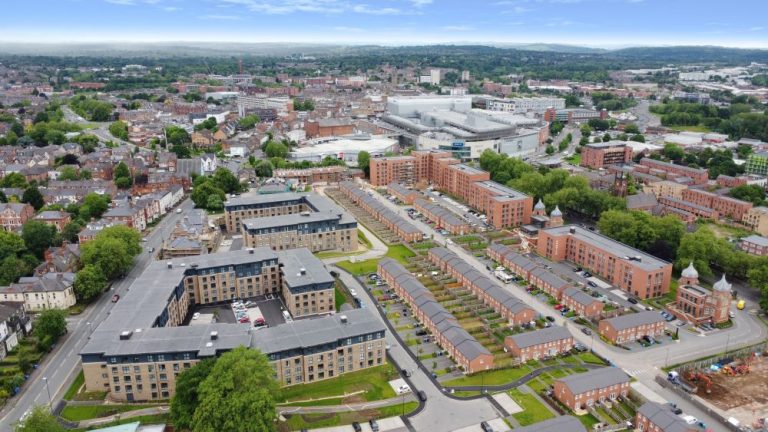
[{"x": 361, "y": 386}]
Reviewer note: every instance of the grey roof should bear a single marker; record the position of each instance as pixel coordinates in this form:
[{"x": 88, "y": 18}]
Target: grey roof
[
  {"x": 48, "y": 282},
  {"x": 633, "y": 320},
  {"x": 608, "y": 144},
  {"x": 666, "y": 166},
  {"x": 756, "y": 239},
  {"x": 301, "y": 268},
  {"x": 449, "y": 217},
  {"x": 289, "y": 220},
  {"x": 579, "y": 296},
  {"x": 549, "y": 278},
  {"x": 379, "y": 209},
  {"x": 318, "y": 203},
  {"x": 641, "y": 200},
  {"x": 595, "y": 379},
  {"x": 538, "y": 337},
  {"x": 401, "y": 189},
  {"x": 663, "y": 417},
  {"x": 51, "y": 214},
  {"x": 558, "y": 424},
  {"x": 316, "y": 332},
  {"x": 501, "y": 192},
  {"x": 647, "y": 262}
]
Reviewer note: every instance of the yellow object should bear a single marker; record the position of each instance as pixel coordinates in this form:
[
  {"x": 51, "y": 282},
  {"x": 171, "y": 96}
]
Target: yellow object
[{"x": 740, "y": 305}]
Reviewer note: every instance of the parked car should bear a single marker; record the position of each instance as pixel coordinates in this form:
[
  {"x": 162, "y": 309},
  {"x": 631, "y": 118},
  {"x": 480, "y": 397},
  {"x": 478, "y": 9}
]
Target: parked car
[
  {"x": 356, "y": 427},
  {"x": 258, "y": 322},
  {"x": 592, "y": 284},
  {"x": 406, "y": 373},
  {"x": 632, "y": 300},
  {"x": 115, "y": 298},
  {"x": 196, "y": 315},
  {"x": 577, "y": 269},
  {"x": 558, "y": 307},
  {"x": 550, "y": 318},
  {"x": 486, "y": 427},
  {"x": 586, "y": 331},
  {"x": 374, "y": 425},
  {"x": 587, "y": 274},
  {"x": 422, "y": 395}
]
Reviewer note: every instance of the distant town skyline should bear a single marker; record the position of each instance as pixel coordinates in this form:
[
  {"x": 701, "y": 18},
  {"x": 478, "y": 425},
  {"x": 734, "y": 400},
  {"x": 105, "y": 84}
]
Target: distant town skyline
[{"x": 594, "y": 23}]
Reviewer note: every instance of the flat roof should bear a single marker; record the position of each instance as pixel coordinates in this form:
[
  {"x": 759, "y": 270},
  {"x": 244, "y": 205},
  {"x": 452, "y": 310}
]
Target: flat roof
[
  {"x": 375, "y": 143},
  {"x": 612, "y": 143},
  {"x": 301, "y": 268},
  {"x": 501, "y": 191},
  {"x": 647, "y": 262}
]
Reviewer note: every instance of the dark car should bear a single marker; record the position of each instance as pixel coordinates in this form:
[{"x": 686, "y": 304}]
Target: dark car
[
  {"x": 356, "y": 427},
  {"x": 677, "y": 411},
  {"x": 115, "y": 298},
  {"x": 486, "y": 427},
  {"x": 577, "y": 269},
  {"x": 550, "y": 318},
  {"x": 632, "y": 300},
  {"x": 406, "y": 373},
  {"x": 422, "y": 395},
  {"x": 587, "y": 274},
  {"x": 592, "y": 284},
  {"x": 586, "y": 331},
  {"x": 374, "y": 425}
]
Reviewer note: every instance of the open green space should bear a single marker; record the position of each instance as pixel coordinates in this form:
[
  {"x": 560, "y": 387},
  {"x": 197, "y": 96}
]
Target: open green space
[
  {"x": 362, "y": 239},
  {"x": 399, "y": 252},
  {"x": 588, "y": 357},
  {"x": 533, "y": 410},
  {"x": 339, "y": 297},
  {"x": 696, "y": 128},
  {"x": 336, "y": 254},
  {"x": 86, "y": 412},
  {"x": 493, "y": 377},
  {"x": 312, "y": 421},
  {"x": 374, "y": 382},
  {"x": 73, "y": 394},
  {"x": 72, "y": 390}
]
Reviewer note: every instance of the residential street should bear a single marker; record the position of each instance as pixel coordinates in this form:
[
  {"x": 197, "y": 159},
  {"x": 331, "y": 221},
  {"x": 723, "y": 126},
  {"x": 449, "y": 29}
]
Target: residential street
[{"x": 61, "y": 365}]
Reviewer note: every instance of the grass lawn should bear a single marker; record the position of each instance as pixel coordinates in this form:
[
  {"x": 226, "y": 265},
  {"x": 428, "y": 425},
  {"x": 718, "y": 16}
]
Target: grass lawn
[
  {"x": 466, "y": 393},
  {"x": 362, "y": 239},
  {"x": 339, "y": 297},
  {"x": 72, "y": 390},
  {"x": 575, "y": 159},
  {"x": 144, "y": 420},
  {"x": 336, "y": 254},
  {"x": 588, "y": 420},
  {"x": 86, "y": 412},
  {"x": 533, "y": 410},
  {"x": 374, "y": 382},
  {"x": 588, "y": 357},
  {"x": 312, "y": 421},
  {"x": 493, "y": 377},
  {"x": 399, "y": 252},
  {"x": 697, "y": 128},
  {"x": 322, "y": 402}
]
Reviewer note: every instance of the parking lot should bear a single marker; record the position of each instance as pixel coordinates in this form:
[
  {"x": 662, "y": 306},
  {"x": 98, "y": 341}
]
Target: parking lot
[{"x": 270, "y": 308}]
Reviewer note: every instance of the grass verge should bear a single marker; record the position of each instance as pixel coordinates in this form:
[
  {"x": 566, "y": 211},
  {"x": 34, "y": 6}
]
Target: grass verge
[
  {"x": 533, "y": 410},
  {"x": 374, "y": 382}
]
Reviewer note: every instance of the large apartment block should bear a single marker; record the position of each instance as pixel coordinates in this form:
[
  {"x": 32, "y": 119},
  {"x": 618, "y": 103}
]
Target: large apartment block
[
  {"x": 600, "y": 155},
  {"x": 698, "y": 175},
  {"x": 137, "y": 352},
  {"x": 398, "y": 169},
  {"x": 756, "y": 219},
  {"x": 629, "y": 269},
  {"x": 725, "y": 206},
  {"x": 583, "y": 390},
  {"x": 460, "y": 345},
  {"x": 290, "y": 220}
]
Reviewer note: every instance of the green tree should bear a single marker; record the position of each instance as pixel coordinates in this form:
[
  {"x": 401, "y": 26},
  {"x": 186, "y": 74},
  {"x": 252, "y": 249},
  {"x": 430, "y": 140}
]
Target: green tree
[
  {"x": 94, "y": 205},
  {"x": 129, "y": 237},
  {"x": 631, "y": 128},
  {"x": 364, "y": 162},
  {"x": 248, "y": 122},
  {"x": 50, "y": 323},
  {"x": 700, "y": 247},
  {"x": 10, "y": 244},
  {"x": 71, "y": 231},
  {"x": 752, "y": 193},
  {"x": 33, "y": 197},
  {"x": 549, "y": 150},
  {"x": 119, "y": 129},
  {"x": 214, "y": 203},
  {"x": 38, "y": 237},
  {"x": 108, "y": 254},
  {"x": 673, "y": 152},
  {"x": 238, "y": 394},
  {"x": 276, "y": 149},
  {"x": 13, "y": 180},
  {"x": 263, "y": 169},
  {"x": 40, "y": 419},
  {"x": 3, "y": 198},
  {"x": 68, "y": 173},
  {"x": 185, "y": 401},
  {"x": 177, "y": 135},
  {"x": 607, "y": 137},
  {"x": 223, "y": 179},
  {"x": 89, "y": 283}
]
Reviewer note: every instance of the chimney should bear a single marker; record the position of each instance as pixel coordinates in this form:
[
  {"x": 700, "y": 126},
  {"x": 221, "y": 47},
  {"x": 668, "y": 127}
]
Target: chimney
[
  {"x": 125, "y": 335},
  {"x": 303, "y": 271},
  {"x": 214, "y": 335},
  {"x": 572, "y": 230},
  {"x": 170, "y": 264},
  {"x": 343, "y": 319}
]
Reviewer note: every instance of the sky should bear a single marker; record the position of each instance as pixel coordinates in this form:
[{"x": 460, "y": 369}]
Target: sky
[{"x": 598, "y": 23}]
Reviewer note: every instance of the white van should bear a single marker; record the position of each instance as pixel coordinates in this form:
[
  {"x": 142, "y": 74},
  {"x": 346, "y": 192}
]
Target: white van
[{"x": 287, "y": 316}]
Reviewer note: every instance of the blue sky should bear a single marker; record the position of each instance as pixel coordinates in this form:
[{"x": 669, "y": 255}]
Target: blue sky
[{"x": 604, "y": 23}]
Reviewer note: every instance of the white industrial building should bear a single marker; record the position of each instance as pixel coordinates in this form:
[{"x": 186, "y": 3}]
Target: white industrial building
[
  {"x": 345, "y": 148},
  {"x": 246, "y": 102},
  {"x": 524, "y": 105}
]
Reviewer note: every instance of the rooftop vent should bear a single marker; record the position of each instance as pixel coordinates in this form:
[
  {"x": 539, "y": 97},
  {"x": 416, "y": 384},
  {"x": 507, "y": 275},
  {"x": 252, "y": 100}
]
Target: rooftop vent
[
  {"x": 125, "y": 335},
  {"x": 214, "y": 335},
  {"x": 209, "y": 344},
  {"x": 250, "y": 251},
  {"x": 170, "y": 264},
  {"x": 302, "y": 271},
  {"x": 193, "y": 265},
  {"x": 572, "y": 230},
  {"x": 343, "y": 319}
]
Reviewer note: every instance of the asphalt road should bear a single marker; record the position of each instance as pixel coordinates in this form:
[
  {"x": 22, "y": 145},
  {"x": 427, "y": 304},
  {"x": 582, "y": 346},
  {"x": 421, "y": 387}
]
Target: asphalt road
[
  {"x": 59, "y": 368},
  {"x": 646, "y": 364}
]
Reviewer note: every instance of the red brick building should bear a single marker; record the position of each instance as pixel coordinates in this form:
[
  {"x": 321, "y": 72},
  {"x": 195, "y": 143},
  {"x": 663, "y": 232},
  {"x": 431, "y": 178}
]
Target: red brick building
[
  {"x": 599, "y": 155},
  {"x": 655, "y": 417},
  {"x": 581, "y": 303},
  {"x": 629, "y": 269},
  {"x": 725, "y": 206},
  {"x": 403, "y": 194},
  {"x": 396, "y": 169},
  {"x": 583, "y": 390},
  {"x": 58, "y": 219},
  {"x": 328, "y": 127},
  {"x": 754, "y": 245},
  {"x": 14, "y": 215},
  {"x": 631, "y": 327},
  {"x": 548, "y": 342},
  {"x": 699, "y": 176}
]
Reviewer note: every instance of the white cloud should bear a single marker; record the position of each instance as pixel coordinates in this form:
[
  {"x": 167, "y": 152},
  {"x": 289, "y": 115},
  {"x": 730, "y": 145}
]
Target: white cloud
[
  {"x": 221, "y": 17},
  {"x": 368, "y": 10},
  {"x": 283, "y": 7},
  {"x": 458, "y": 28},
  {"x": 757, "y": 28},
  {"x": 171, "y": 9},
  {"x": 122, "y": 2},
  {"x": 420, "y": 3}
]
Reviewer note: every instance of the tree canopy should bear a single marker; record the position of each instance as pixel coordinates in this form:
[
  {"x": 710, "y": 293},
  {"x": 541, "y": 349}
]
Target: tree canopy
[
  {"x": 186, "y": 399},
  {"x": 40, "y": 419}
]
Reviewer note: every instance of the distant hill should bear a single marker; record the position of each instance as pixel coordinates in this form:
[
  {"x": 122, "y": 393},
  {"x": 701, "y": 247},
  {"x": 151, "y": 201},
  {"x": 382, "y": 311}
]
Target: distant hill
[
  {"x": 547, "y": 47},
  {"x": 689, "y": 54}
]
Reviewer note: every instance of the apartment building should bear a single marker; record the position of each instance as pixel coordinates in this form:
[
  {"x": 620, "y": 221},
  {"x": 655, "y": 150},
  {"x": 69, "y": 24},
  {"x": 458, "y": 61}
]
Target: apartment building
[
  {"x": 698, "y": 211},
  {"x": 403, "y": 194},
  {"x": 331, "y": 174},
  {"x": 14, "y": 215},
  {"x": 326, "y": 127},
  {"x": 38, "y": 293},
  {"x": 697, "y": 175},
  {"x": 756, "y": 219},
  {"x": 725, "y": 206},
  {"x": 395, "y": 169},
  {"x": 460, "y": 345},
  {"x": 599, "y": 155},
  {"x": 655, "y": 417},
  {"x": 533, "y": 345},
  {"x": 310, "y": 290},
  {"x": 629, "y": 269},
  {"x": 137, "y": 352},
  {"x": 318, "y": 231},
  {"x": 442, "y": 217},
  {"x": 757, "y": 164},
  {"x": 631, "y": 327},
  {"x": 393, "y": 221},
  {"x": 583, "y": 390},
  {"x": 504, "y": 206},
  {"x": 727, "y": 181},
  {"x": 754, "y": 245},
  {"x": 665, "y": 188},
  {"x": 512, "y": 309}
]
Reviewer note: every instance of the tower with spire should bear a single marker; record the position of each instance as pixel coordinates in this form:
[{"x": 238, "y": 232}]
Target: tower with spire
[
  {"x": 540, "y": 209},
  {"x": 721, "y": 300},
  {"x": 700, "y": 305}
]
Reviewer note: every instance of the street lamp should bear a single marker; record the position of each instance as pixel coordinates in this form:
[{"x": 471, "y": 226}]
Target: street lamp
[{"x": 47, "y": 389}]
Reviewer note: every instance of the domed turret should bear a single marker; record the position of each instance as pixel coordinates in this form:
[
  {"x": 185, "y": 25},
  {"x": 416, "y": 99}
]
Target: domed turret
[
  {"x": 556, "y": 212},
  {"x": 539, "y": 205},
  {"x": 722, "y": 285},
  {"x": 690, "y": 272},
  {"x": 539, "y": 209}
]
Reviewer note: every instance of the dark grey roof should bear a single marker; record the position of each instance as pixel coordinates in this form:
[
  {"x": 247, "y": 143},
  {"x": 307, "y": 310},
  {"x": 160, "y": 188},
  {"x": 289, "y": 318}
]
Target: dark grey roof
[
  {"x": 549, "y": 278},
  {"x": 641, "y": 200},
  {"x": 756, "y": 239},
  {"x": 449, "y": 217},
  {"x": 579, "y": 296},
  {"x": 661, "y": 416},
  {"x": 316, "y": 332},
  {"x": 558, "y": 424},
  {"x": 401, "y": 189},
  {"x": 551, "y": 334},
  {"x": 378, "y": 208},
  {"x": 595, "y": 379},
  {"x": 633, "y": 320},
  {"x": 301, "y": 268}
]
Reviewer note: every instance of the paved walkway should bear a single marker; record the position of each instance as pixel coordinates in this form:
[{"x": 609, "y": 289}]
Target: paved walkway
[
  {"x": 125, "y": 415},
  {"x": 282, "y": 409}
]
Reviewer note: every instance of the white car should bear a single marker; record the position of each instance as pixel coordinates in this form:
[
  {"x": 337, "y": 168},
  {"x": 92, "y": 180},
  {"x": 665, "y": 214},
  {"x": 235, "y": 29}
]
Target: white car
[
  {"x": 178, "y": 211},
  {"x": 690, "y": 419},
  {"x": 196, "y": 315},
  {"x": 404, "y": 389}
]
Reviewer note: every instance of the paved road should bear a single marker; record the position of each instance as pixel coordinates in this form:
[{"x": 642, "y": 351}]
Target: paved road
[
  {"x": 645, "y": 364},
  {"x": 60, "y": 366}
]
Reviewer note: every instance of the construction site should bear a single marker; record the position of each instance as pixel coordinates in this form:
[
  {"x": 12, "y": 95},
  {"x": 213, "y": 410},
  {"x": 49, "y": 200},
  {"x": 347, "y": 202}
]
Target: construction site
[{"x": 736, "y": 385}]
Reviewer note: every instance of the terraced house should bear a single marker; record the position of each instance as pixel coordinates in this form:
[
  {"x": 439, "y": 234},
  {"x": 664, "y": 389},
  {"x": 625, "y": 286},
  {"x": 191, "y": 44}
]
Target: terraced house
[
  {"x": 139, "y": 350},
  {"x": 393, "y": 221},
  {"x": 537, "y": 344},
  {"x": 580, "y": 391}
]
